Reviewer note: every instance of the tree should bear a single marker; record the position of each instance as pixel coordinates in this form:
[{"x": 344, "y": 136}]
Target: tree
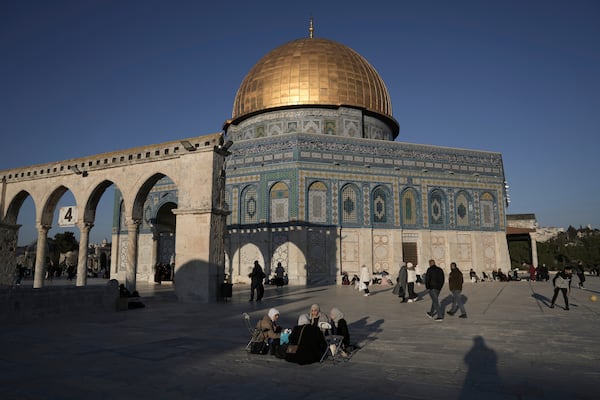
[{"x": 65, "y": 242}]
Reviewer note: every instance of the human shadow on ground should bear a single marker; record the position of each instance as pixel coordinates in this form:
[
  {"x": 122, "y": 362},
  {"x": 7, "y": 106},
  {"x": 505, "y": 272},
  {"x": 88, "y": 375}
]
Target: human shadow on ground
[
  {"x": 541, "y": 298},
  {"x": 547, "y": 302},
  {"x": 482, "y": 379},
  {"x": 447, "y": 302},
  {"x": 363, "y": 333}
]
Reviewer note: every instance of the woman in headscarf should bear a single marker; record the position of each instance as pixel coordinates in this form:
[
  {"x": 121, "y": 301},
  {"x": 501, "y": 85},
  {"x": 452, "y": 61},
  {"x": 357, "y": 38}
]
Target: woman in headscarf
[
  {"x": 306, "y": 343},
  {"x": 339, "y": 326},
  {"x": 317, "y": 316},
  {"x": 270, "y": 331}
]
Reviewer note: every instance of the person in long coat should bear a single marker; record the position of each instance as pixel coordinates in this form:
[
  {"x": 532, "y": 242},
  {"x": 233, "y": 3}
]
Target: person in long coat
[
  {"x": 310, "y": 341},
  {"x": 402, "y": 283},
  {"x": 269, "y": 330},
  {"x": 256, "y": 282}
]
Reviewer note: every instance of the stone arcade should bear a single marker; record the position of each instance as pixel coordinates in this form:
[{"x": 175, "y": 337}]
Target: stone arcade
[{"x": 194, "y": 165}]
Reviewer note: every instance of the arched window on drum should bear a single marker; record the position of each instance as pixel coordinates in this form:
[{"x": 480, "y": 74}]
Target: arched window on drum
[
  {"x": 349, "y": 203},
  {"x": 437, "y": 208},
  {"x": 463, "y": 209},
  {"x": 279, "y": 199},
  {"x": 379, "y": 206},
  {"x": 486, "y": 204},
  {"x": 408, "y": 207},
  {"x": 249, "y": 205},
  {"x": 317, "y": 203}
]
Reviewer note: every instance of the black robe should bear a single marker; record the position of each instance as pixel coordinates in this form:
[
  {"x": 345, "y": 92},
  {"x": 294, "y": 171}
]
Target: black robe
[
  {"x": 341, "y": 328},
  {"x": 311, "y": 345}
]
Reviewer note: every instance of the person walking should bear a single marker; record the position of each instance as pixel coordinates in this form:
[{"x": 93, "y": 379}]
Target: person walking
[
  {"x": 562, "y": 283},
  {"x": 411, "y": 279},
  {"x": 401, "y": 285},
  {"x": 279, "y": 271},
  {"x": 365, "y": 279},
  {"x": 580, "y": 275},
  {"x": 455, "y": 283},
  {"x": 256, "y": 282},
  {"x": 434, "y": 281}
]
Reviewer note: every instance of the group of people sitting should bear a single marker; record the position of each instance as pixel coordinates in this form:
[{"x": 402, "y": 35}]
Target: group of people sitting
[
  {"x": 305, "y": 343},
  {"x": 497, "y": 275}
]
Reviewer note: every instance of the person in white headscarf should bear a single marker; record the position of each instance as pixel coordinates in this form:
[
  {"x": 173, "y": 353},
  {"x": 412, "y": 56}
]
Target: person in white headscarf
[
  {"x": 316, "y": 315},
  {"x": 271, "y": 332},
  {"x": 339, "y": 326},
  {"x": 307, "y": 341}
]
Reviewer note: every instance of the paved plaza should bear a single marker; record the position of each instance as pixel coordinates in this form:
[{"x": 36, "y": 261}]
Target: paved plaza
[{"x": 511, "y": 346}]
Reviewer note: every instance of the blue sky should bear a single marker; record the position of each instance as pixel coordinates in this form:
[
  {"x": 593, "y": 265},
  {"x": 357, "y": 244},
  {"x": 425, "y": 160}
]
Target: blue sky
[{"x": 521, "y": 78}]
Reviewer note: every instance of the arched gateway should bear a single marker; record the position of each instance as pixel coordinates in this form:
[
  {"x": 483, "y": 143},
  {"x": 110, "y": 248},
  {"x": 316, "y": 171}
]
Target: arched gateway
[{"x": 194, "y": 165}]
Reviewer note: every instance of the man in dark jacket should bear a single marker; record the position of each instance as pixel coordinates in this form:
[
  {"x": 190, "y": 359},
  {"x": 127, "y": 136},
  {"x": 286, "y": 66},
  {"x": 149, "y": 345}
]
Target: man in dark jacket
[
  {"x": 434, "y": 281},
  {"x": 455, "y": 283},
  {"x": 257, "y": 276}
]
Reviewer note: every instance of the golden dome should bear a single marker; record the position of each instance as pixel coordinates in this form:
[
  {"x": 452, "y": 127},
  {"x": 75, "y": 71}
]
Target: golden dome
[{"x": 312, "y": 71}]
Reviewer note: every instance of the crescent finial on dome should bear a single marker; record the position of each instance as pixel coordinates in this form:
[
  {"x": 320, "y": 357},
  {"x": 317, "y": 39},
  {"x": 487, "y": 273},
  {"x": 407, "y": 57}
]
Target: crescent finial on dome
[{"x": 311, "y": 29}]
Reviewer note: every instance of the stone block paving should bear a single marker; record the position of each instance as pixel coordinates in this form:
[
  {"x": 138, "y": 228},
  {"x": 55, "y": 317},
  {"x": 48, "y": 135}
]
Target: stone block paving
[{"x": 511, "y": 346}]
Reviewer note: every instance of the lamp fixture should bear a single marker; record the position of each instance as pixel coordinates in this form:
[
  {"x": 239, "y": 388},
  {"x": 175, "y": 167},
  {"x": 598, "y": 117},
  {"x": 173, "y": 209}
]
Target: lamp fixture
[{"x": 188, "y": 146}]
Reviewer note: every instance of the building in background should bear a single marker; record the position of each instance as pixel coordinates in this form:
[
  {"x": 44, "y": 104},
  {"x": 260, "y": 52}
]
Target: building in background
[{"x": 317, "y": 181}]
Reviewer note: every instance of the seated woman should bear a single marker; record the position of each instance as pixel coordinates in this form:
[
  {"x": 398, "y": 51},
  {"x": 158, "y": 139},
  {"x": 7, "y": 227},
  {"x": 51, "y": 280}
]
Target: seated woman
[
  {"x": 310, "y": 341},
  {"x": 270, "y": 332},
  {"x": 340, "y": 327},
  {"x": 316, "y": 315}
]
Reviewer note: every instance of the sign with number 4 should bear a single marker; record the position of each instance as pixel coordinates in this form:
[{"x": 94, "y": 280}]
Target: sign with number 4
[{"x": 67, "y": 216}]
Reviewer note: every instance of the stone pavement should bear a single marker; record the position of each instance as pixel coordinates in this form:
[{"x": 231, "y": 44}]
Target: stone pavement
[{"x": 512, "y": 346}]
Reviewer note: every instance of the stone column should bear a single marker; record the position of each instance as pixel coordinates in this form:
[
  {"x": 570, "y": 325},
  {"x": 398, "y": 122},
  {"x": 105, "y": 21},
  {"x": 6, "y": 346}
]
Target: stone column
[
  {"x": 132, "y": 254},
  {"x": 40, "y": 256},
  {"x": 154, "y": 257},
  {"x": 534, "y": 255},
  {"x": 8, "y": 260},
  {"x": 84, "y": 236}
]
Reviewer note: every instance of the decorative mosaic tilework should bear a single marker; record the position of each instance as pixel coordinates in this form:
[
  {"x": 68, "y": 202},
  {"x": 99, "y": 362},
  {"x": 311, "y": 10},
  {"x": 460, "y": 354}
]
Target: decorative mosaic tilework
[{"x": 317, "y": 252}]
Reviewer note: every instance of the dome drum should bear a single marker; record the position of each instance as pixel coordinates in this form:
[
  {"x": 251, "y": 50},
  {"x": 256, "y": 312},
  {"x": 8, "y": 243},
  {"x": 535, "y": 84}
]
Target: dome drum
[{"x": 342, "y": 121}]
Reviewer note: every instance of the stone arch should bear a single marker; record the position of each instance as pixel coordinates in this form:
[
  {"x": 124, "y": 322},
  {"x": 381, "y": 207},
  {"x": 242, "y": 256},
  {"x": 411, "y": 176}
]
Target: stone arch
[
  {"x": 137, "y": 209},
  {"x": 86, "y": 223},
  {"x": 12, "y": 211},
  {"x": 129, "y": 259},
  {"x": 48, "y": 207},
  {"x": 89, "y": 212}
]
